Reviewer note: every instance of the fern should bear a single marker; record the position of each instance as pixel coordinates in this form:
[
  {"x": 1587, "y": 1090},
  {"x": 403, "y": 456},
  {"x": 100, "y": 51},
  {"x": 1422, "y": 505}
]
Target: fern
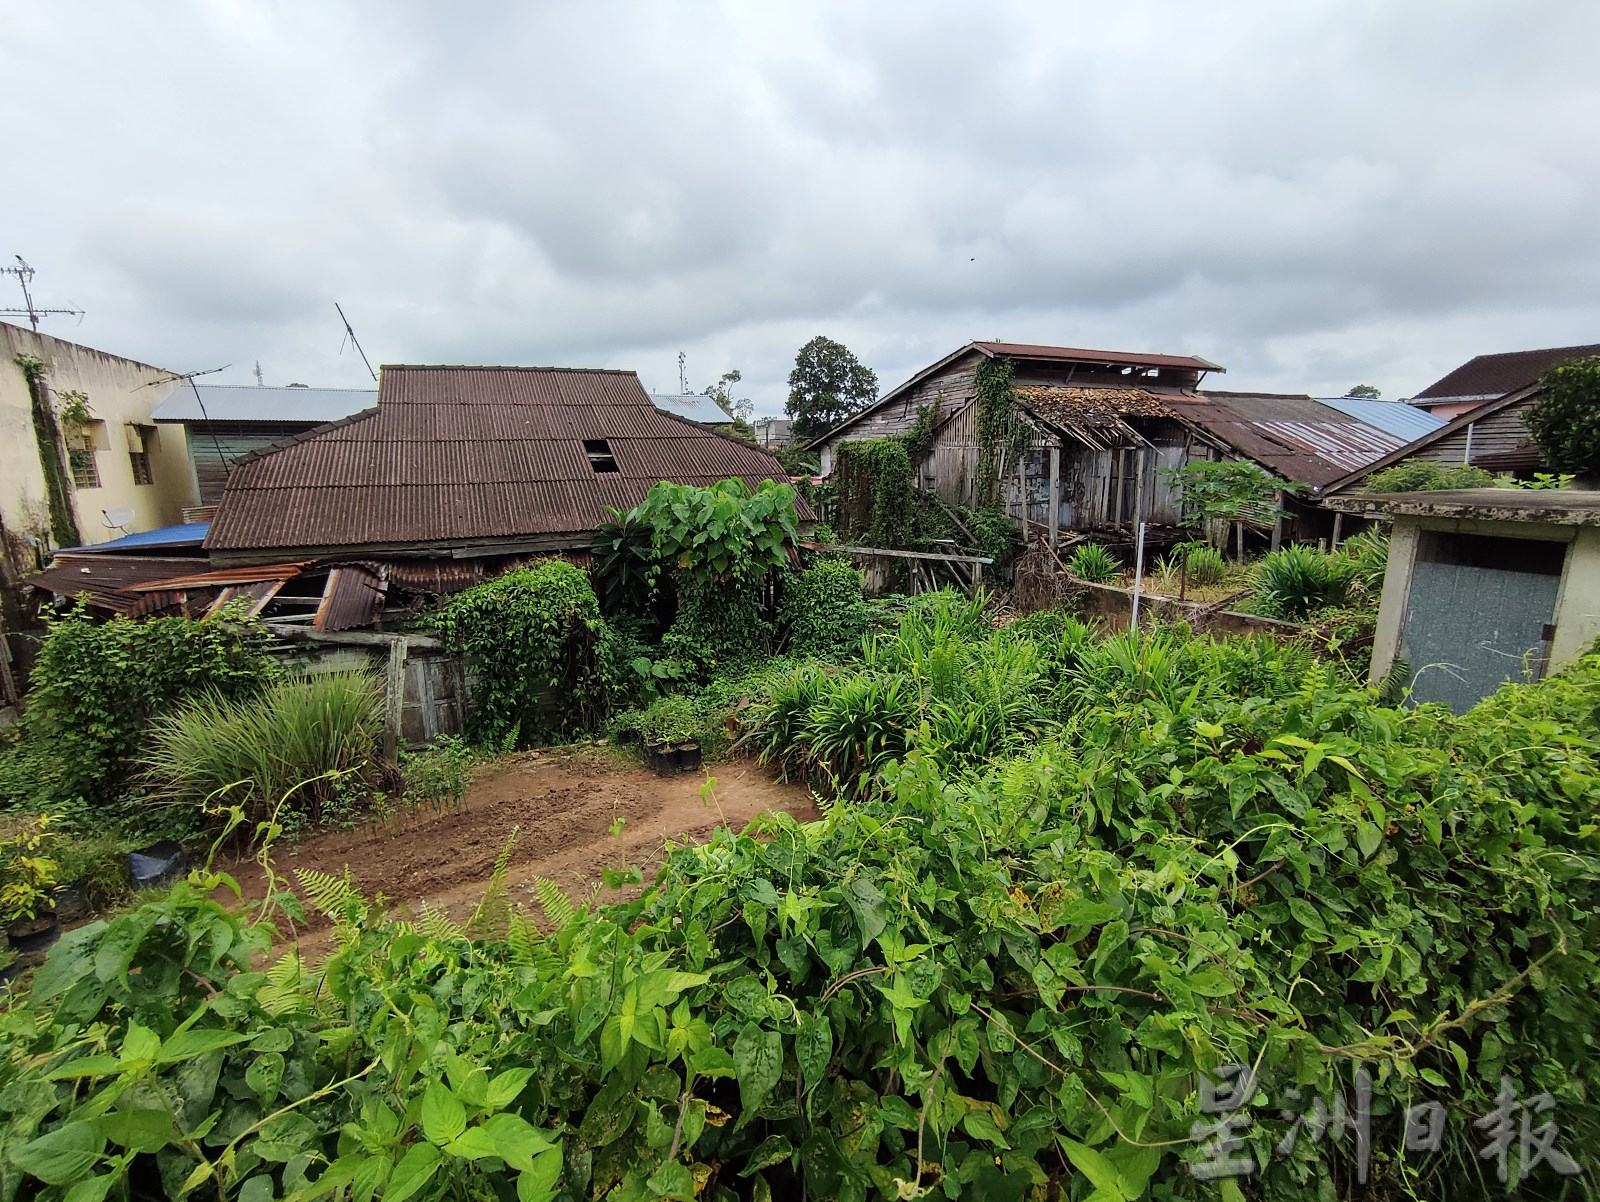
[
  {"x": 333, "y": 896},
  {"x": 494, "y": 911},
  {"x": 289, "y": 989},
  {"x": 557, "y": 906},
  {"x": 436, "y": 925}
]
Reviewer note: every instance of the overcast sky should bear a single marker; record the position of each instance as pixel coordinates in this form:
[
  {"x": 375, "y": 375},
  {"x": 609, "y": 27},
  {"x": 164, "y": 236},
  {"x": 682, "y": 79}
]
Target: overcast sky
[{"x": 1314, "y": 194}]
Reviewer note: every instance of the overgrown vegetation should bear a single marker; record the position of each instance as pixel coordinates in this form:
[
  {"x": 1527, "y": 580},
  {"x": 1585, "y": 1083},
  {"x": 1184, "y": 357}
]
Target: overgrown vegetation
[
  {"x": 1002, "y": 433},
  {"x": 1565, "y": 419},
  {"x": 1420, "y": 475},
  {"x": 873, "y": 504},
  {"x": 1063, "y": 879},
  {"x": 1226, "y": 494},
  {"x": 532, "y": 638},
  {"x": 1095, "y": 564},
  {"x": 295, "y": 744},
  {"x": 98, "y": 685},
  {"x": 1295, "y": 581},
  {"x": 824, "y": 609}
]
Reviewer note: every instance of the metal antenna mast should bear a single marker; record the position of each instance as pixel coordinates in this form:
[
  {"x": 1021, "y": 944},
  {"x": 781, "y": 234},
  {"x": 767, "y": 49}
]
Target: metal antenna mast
[
  {"x": 172, "y": 377},
  {"x": 24, "y": 273},
  {"x": 683, "y": 375},
  {"x": 351, "y": 334}
]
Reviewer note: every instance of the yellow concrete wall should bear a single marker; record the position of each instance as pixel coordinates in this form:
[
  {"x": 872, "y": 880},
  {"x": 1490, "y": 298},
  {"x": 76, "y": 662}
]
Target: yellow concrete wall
[
  {"x": 120, "y": 391},
  {"x": 1578, "y": 603}
]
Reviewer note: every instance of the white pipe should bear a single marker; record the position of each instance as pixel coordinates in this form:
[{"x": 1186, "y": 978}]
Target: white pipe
[{"x": 1138, "y": 576}]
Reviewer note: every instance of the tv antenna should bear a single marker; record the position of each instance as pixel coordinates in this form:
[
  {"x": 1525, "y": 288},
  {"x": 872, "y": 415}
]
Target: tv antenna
[
  {"x": 172, "y": 377},
  {"x": 32, "y": 312},
  {"x": 350, "y": 333}
]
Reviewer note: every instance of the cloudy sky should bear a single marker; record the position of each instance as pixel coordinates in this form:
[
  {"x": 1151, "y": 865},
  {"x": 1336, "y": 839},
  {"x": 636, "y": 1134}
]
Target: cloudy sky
[{"x": 1314, "y": 194}]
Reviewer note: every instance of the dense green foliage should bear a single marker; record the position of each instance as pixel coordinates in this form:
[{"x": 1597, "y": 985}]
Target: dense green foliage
[
  {"x": 96, "y": 686},
  {"x": 1292, "y": 582},
  {"x": 296, "y": 743},
  {"x": 1226, "y": 491},
  {"x": 874, "y": 492},
  {"x": 1002, "y": 433},
  {"x": 994, "y": 975},
  {"x": 721, "y": 534},
  {"x": 1565, "y": 419},
  {"x": 823, "y": 609},
  {"x": 827, "y": 385},
  {"x": 532, "y": 638},
  {"x": 1095, "y": 564},
  {"x": 1419, "y": 475}
]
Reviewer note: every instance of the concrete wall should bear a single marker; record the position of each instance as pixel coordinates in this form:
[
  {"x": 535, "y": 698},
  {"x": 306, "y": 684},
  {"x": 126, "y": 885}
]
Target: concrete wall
[
  {"x": 1577, "y": 608},
  {"x": 120, "y": 392}
]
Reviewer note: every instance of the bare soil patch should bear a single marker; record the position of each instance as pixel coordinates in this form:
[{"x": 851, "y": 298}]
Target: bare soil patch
[{"x": 563, "y": 806}]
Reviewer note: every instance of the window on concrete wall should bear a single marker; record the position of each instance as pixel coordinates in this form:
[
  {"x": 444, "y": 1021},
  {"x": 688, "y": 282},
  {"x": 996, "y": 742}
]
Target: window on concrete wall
[
  {"x": 140, "y": 440},
  {"x": 82, "y": 444}
]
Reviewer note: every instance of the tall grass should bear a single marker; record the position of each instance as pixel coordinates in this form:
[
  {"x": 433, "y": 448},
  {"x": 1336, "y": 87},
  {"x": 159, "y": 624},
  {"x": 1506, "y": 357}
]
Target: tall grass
[
  {"x": 1293, "y": 582},
  {"x": 298, "y": 739}
]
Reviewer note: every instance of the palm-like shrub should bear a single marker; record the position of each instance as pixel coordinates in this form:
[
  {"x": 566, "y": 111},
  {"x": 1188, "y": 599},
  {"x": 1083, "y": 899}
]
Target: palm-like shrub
[
  {"x": 1205, "y": 563},
  {"x": 1296, "y": 580},
  {"x": 1095, "y": 564},
  {"x": 1369, "y": 551},
  {"x": 298, "y": 741}
]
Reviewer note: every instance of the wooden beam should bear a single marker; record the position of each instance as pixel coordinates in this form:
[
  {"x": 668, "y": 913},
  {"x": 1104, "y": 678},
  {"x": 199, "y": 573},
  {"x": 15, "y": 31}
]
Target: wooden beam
[
  {"x": 848, "y": 550},
  {"x": 1053, "y": 518},
  {"x": 394, "y": 699}
]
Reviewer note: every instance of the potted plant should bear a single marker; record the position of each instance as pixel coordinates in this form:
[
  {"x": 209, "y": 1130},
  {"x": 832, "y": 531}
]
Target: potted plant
[
  {"x": 669, "y": 729},
  {"x": 28, "y": 874}
]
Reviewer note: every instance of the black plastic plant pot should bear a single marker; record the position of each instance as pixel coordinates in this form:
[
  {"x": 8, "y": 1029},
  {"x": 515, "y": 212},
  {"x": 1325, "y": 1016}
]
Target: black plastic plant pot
[
  {"x": 71, "y": 902},
  {"x": 687, "y": 756},
  {"x": 34, "y": 934},
  {"x": 664, "y": 760},
  {"x": 155, "y": 866}
]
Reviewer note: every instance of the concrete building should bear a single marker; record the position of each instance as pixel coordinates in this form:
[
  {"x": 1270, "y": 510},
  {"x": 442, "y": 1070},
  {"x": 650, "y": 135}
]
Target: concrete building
[
  {"x": 59, "y": 478},
  {"x": 1484, "y": 585}
]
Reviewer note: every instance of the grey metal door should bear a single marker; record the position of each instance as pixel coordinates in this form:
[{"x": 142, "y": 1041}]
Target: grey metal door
[{"x": 1469, "y": 629}]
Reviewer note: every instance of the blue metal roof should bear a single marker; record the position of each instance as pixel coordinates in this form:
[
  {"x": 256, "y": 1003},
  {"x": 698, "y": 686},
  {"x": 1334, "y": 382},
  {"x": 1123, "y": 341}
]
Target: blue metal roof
[
  {"x": 190, "y": 534},
  {"x": 248, "y": 403},
  {"x": 692, "y": 406},
  {"x": 1394, "y": 417}
]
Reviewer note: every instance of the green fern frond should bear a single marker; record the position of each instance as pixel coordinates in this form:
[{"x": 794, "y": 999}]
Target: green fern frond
[
  {"x": 490, "y": 918},
  {"x": 289, "y": 988},
  {"x": 334, "y": 896},
  {"x": 436, "y": 925},
  {"x": 557, "y": 906}
]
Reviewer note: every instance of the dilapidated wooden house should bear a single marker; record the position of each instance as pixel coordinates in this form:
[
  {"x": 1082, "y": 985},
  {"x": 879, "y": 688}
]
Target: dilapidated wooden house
[{"x": 1101, "y": 427}]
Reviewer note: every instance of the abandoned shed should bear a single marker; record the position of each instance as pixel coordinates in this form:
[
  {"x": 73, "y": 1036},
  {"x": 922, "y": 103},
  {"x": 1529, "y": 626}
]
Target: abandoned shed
[
  {"x": 1483, "y": 586},
  {"x": 1103, "y": 430},
  {"x": 469, "y": 463}
]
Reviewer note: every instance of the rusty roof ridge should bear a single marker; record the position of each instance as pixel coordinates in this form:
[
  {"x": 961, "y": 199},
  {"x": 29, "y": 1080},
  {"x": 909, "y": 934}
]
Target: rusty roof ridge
[{"x": 604, "y": 371}]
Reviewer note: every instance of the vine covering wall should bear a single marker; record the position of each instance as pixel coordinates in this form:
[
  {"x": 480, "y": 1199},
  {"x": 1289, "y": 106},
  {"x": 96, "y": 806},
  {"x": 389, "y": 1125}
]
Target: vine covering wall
[
  {"x": 1002, "y": 434},
  {"x": 874, "y": 503},
  {"x": 52, "y": 458}
]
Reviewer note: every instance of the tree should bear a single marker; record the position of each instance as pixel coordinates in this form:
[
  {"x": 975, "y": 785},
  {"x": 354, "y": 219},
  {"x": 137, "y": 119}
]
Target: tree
[
  {"x": 827, "y": 385},
  {"x": 1565, "y": 420},
  {"x": 1369, "y": 392},
  {"x": 738, "y": 408}
]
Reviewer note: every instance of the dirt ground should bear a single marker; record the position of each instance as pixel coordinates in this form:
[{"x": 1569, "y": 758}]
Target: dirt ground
[{"x": 574, "y": 813}]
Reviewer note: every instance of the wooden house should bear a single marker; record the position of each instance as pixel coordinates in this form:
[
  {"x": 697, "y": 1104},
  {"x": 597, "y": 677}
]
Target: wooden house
[{"x": 1102, "y": 426}]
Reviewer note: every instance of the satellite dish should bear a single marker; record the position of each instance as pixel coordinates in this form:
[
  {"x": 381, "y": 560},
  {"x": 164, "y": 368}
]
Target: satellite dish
[{"x": 116, "y": 519}]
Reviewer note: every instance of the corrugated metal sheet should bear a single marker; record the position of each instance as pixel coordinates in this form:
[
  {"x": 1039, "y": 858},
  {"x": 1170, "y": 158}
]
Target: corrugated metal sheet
[
  {"x": 1299, "y": 439},
  {"x": 701, "y": 409},
  {"x": 432, "y": 575},
  {"x": 190, "y": 534},
  {"x": 1404, "y": 421},
  {"x": 1071, "y": 354},
  {"x": 458, "y": 455},
  {"x": 352, "y": 598},
  {"x": 251, "y": 574},
  {"x": 244, "y": 403},
  {"x": 111, "y": 581}
]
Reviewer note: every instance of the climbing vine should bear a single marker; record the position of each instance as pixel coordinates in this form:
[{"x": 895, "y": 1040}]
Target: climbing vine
[
  {"x": 1002, "y": 434},
  {"x": 532, "y": 638},
  {"x": 919, "y": 439},
  {"x": 52, "y": 461},
  {"x": 874, "y": 504}
]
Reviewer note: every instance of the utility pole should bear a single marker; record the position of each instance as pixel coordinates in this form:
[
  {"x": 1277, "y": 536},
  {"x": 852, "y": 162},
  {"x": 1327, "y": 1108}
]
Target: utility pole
[{"x": 24, "y": 273}]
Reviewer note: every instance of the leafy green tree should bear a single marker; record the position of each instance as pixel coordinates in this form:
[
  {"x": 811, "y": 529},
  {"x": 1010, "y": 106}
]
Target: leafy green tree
[
  {"x": 1565, "y": 420},
  {"x": 738, "y": 408},
  {"x": 827, "y": 385},
  {"x": 1366, "y": 391}
]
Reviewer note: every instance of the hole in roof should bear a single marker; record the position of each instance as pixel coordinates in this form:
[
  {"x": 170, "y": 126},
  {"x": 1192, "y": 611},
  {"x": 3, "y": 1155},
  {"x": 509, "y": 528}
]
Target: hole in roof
[{"x": 599, "y": 452}]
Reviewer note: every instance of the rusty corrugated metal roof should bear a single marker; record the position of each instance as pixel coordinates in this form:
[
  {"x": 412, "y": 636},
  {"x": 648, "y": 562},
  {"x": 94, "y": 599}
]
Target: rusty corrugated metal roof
[
  {"x": 221, "y": 577},
  {"x": 352, "y": 598},
  {"x": 1073, "y": 354},
  {"x": 113, "y": 582},
  {"x": 455, "y": 456},
  {"x": 1091, "y": 406},
  {"x": 1299, "y": 439}
]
